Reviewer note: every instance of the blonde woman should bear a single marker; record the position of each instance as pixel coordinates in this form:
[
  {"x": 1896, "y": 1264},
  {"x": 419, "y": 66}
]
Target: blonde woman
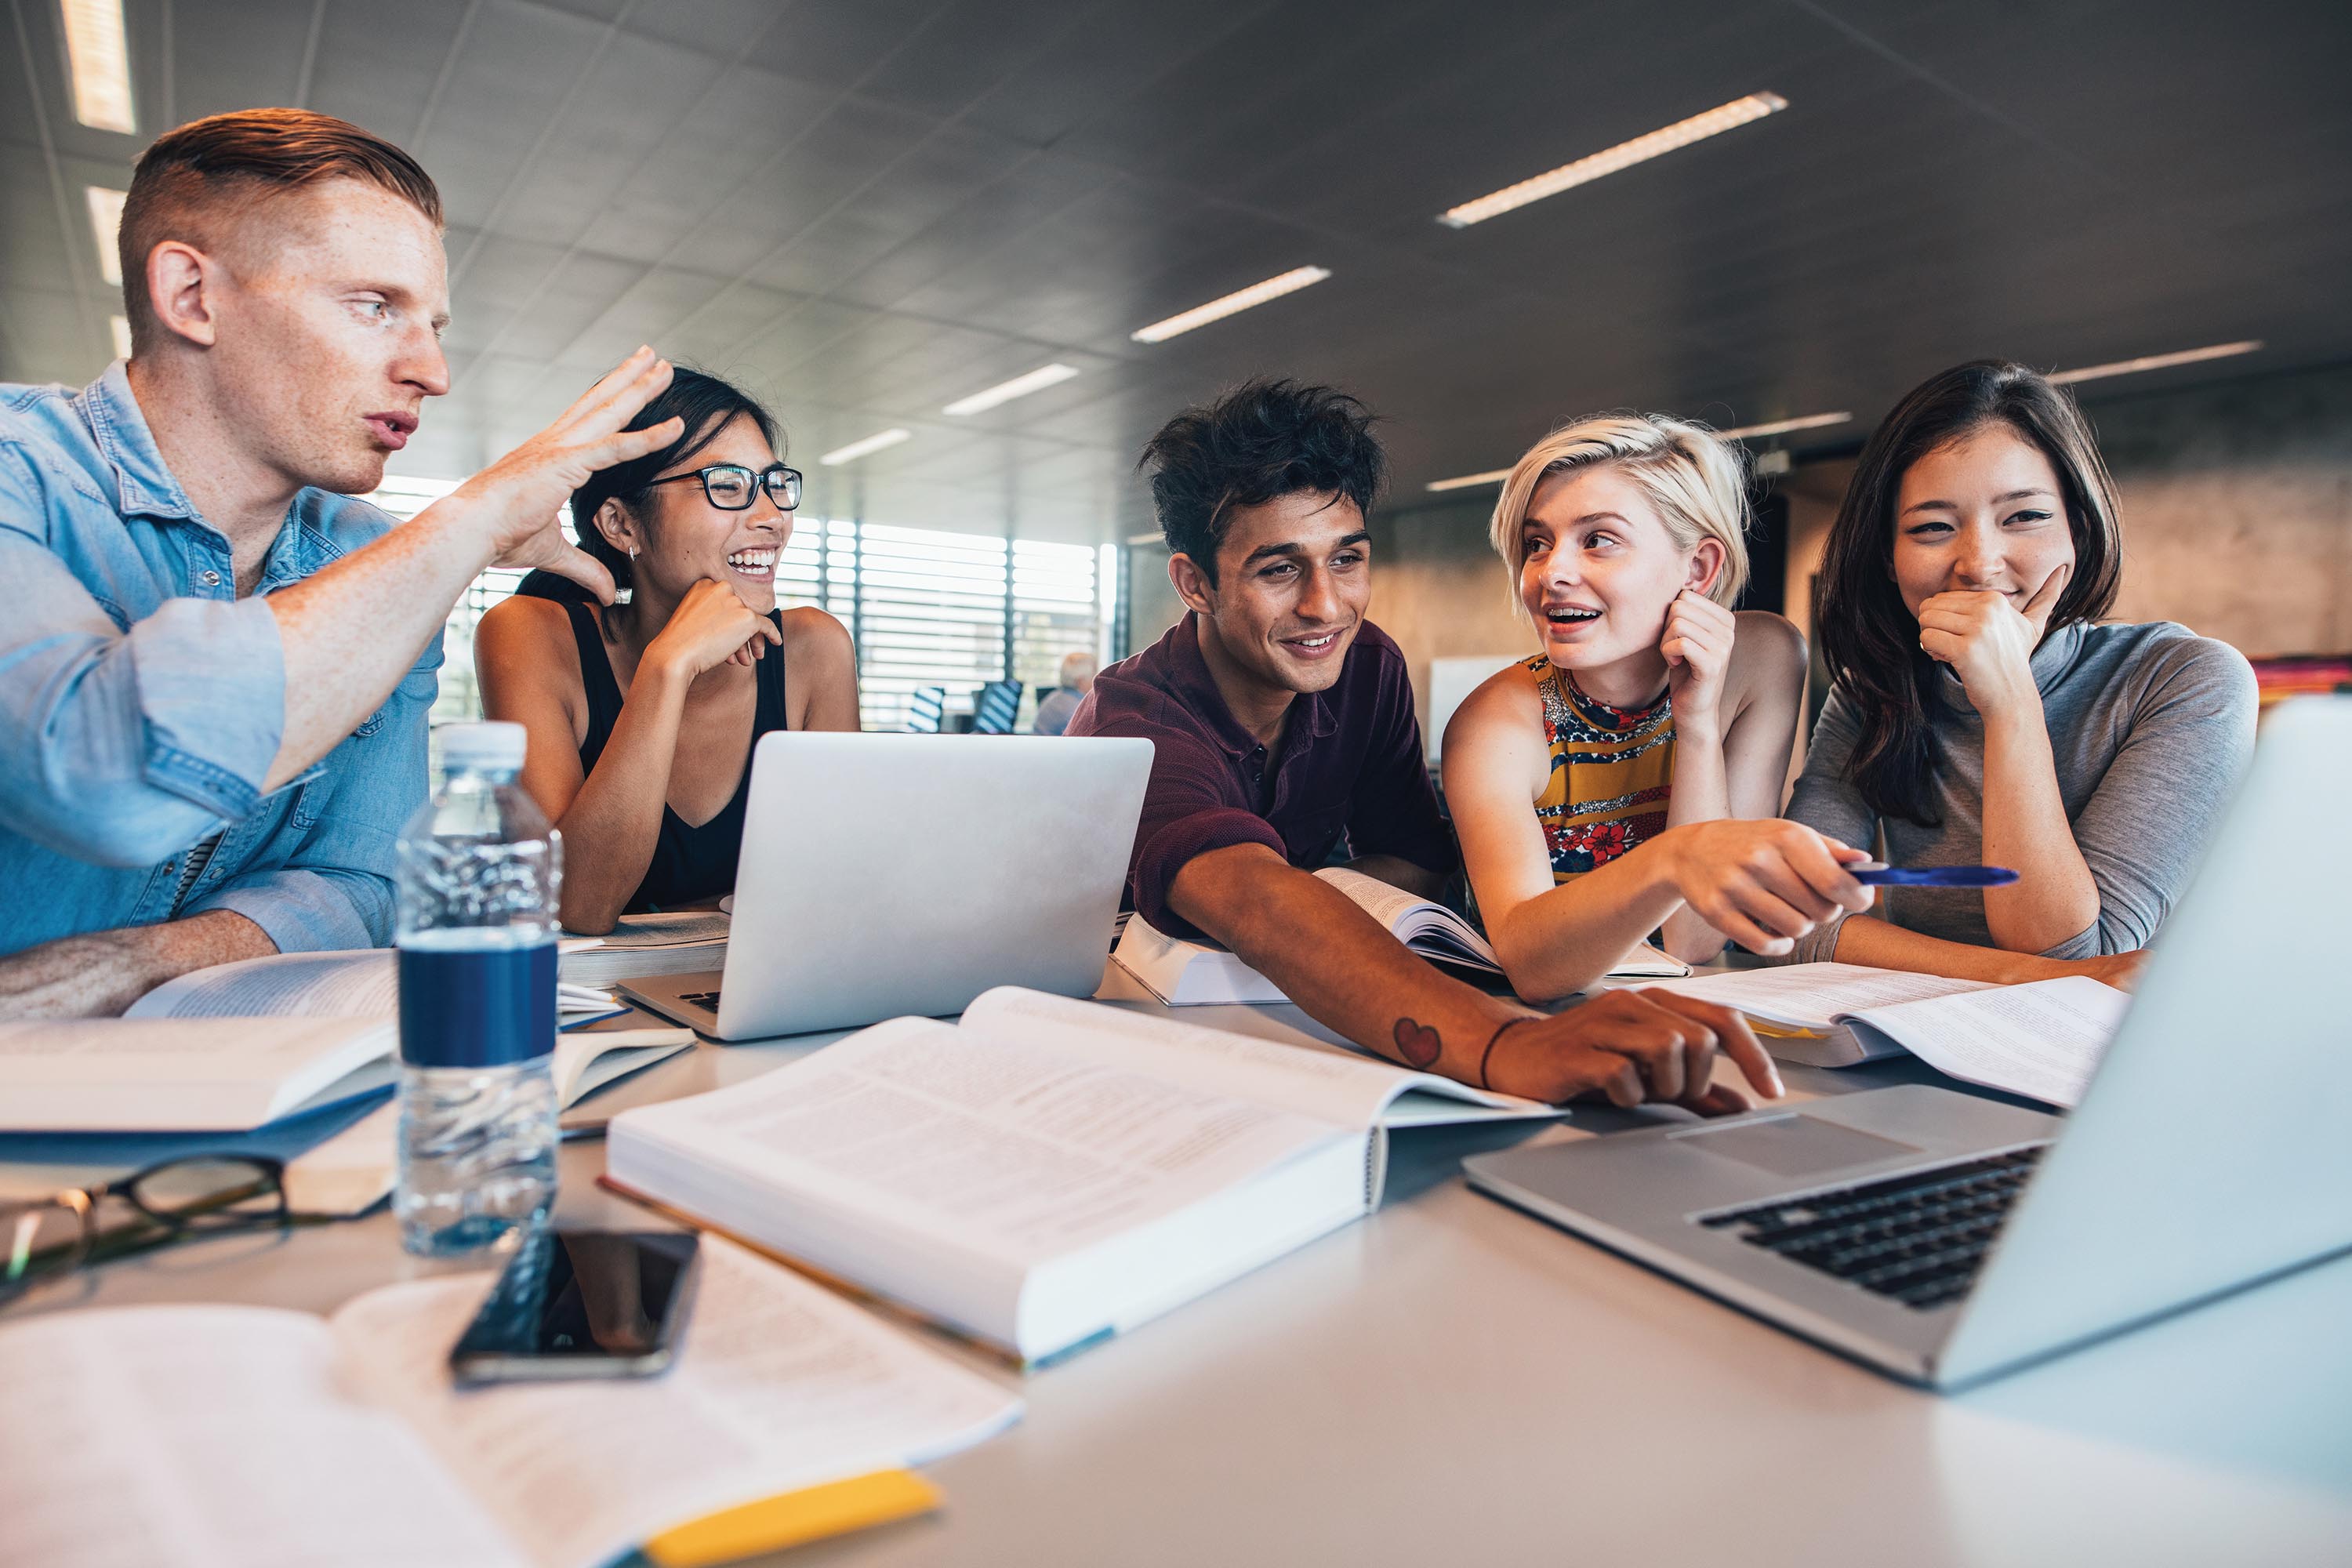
[{"x": 1629, "y": 775}]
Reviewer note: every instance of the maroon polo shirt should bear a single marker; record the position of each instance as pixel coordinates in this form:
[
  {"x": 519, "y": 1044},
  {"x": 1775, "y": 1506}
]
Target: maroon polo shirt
[{"x": 1348, "y": 772}]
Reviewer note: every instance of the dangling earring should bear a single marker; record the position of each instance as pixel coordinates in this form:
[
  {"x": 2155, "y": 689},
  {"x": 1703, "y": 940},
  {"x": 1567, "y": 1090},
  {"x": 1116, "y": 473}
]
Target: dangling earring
[{"x": 633, "y": 553}]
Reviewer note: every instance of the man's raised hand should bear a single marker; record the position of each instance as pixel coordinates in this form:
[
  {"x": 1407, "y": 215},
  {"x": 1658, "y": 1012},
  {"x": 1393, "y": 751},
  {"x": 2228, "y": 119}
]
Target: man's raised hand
[{"x": 515, "y": 500}]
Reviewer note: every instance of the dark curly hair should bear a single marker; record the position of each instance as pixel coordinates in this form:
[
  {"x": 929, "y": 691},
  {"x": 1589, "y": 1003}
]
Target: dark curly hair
[
  {"x": 1869, "y": 638},
  {"x": 1261, "y": 440},
  {"x": 705, "y": 405}
]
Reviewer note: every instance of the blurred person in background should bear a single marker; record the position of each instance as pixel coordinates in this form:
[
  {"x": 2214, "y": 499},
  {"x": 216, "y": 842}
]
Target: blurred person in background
[{"x": 1055, "y": 708}]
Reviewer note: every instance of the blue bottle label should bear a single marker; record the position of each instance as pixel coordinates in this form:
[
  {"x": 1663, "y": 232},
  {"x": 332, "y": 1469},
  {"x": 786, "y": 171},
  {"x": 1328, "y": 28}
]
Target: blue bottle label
[{"x": 477, "y": 1007}]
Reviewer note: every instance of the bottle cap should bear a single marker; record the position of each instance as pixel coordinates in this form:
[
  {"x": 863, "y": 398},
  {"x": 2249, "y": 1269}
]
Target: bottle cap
[{"x": 491, "y": 744}]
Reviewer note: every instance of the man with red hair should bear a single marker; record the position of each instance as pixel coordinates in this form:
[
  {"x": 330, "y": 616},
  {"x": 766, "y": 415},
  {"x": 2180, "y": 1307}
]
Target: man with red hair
[{"x": 215, "y": 665}]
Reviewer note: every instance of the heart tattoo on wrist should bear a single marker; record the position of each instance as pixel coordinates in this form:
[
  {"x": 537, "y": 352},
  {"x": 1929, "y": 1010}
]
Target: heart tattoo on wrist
[{"x": 1419, "y": 1045}]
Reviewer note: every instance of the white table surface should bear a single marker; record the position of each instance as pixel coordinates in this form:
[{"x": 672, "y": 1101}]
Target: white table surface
[{"x": 1450, "y": 1380}]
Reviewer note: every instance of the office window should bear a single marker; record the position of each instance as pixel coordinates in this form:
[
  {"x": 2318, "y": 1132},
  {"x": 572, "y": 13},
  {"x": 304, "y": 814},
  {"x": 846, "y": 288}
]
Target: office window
[
  {"x": 930, "y": 611},
  {"x": 925, "y": 606},
  {"x": 1055, "y": 612}
]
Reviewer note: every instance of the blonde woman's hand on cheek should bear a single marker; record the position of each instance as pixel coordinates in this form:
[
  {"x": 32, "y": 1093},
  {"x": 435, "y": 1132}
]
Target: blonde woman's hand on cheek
[
  {"x": 711, "y": 626},
  {"x": 1989, "y": 641},
  {"x": 1698, "y": 649},
  {"x": 1762, "y": 883}
]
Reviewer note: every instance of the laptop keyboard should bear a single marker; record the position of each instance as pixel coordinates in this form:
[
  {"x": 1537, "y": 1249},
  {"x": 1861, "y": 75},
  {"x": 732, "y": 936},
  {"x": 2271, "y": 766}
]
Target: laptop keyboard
[
  {"x": 701, "y": 998},
  {"x": 1918, "y": 1239}
]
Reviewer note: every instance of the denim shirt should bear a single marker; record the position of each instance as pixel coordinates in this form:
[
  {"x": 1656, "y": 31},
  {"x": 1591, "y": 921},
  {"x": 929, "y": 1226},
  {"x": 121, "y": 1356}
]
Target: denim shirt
[{"x": 141, "y": 701}]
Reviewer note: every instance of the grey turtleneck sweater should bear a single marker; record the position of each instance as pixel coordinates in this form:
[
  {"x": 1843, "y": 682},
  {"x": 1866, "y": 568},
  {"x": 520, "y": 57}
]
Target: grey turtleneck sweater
[{"x": 2149, "y": 727}]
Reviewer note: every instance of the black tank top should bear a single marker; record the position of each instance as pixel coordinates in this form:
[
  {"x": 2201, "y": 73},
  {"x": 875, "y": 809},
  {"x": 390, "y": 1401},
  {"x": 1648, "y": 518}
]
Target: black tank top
[{"x": 688, "y": 863}]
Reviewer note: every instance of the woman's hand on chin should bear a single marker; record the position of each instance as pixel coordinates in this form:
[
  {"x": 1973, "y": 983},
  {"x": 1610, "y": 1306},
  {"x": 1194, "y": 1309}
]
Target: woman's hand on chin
[
  {"x": 1989, "y": 642},
  {"x": 711, "y": 626},
  {"x": 1697, "y": 651}
]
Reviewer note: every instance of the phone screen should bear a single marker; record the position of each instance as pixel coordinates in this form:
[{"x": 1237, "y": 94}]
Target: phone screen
[{"x": 570, "y": 1300}]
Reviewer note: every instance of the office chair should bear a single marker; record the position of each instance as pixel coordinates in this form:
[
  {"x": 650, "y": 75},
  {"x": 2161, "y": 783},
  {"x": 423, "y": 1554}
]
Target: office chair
[
  {"x": 926, "y": 707},
  {"x": 993, "y": 707}
]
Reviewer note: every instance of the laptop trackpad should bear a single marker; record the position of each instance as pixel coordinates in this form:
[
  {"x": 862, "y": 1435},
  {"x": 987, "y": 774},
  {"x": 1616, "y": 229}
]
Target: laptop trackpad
[{"x": 1795, "y": 1145}]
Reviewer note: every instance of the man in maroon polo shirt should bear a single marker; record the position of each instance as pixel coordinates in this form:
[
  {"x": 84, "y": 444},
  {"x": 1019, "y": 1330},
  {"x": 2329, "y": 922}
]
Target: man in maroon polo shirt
[{"x": 1284, "y": 730}]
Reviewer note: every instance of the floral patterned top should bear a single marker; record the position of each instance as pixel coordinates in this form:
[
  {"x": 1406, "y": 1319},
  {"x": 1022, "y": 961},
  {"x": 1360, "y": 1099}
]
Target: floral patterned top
[{"x": 1612, "y": 770}]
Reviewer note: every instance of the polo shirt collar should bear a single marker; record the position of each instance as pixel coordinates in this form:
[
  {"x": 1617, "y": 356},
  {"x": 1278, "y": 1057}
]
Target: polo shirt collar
[
  {"x": 143, "y": 487},
  {"x": 1190, "y": 682}
]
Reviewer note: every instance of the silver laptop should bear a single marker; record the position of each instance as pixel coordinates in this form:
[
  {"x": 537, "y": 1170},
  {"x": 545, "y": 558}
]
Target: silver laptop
[
  {"x": 1946, "y": 1238},
  {"x": 884, "y": 874}
]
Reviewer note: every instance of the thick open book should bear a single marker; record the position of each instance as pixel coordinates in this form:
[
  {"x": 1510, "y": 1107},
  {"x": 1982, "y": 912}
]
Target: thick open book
[
  {"x": 202, "y": 1435},
  {"x": 675, "y": 943},
  {"x": 1189, "y": 973},
  {"x": 361, "y": 983},
  {"x": 1049, "y": 1171},
  {"x": 2040, "y": 1040}
]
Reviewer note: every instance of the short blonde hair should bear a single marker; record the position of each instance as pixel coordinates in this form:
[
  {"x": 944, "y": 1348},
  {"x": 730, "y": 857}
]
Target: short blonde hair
[{"x": 1695, "y": 478}]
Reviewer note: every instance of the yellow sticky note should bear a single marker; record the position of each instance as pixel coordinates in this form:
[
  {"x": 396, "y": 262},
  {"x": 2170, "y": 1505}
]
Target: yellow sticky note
[{"x": 773, "y": 1524}]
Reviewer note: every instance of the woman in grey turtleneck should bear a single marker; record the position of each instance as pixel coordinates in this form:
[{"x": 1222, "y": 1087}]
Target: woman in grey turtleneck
[{"x": 1981, "y": 714}]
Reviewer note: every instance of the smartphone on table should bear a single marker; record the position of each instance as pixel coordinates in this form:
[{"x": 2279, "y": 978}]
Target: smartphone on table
[{"x": 582, "y": 1303}]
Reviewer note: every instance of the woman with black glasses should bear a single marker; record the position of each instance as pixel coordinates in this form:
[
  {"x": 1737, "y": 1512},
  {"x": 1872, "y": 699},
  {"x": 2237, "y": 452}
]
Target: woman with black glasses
[{"x": 642, "y": 716}]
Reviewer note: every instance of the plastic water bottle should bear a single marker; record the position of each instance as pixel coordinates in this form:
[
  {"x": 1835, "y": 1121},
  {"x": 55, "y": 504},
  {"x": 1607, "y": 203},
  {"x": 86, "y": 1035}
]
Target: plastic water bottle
[{"x": 479, "y": 873}]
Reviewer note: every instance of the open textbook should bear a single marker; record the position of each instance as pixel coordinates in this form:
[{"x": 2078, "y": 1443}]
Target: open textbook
[
  {"x": 2040, "y": 1040},
  {"x": 240, "y": 1045},
  {"x": 1047, "y": 1173},
  {"x": 1189, "y": 973},
  {"x": 201, "y": 1435},
  {"x": 677, "y": 942},
  {"x": 361, "y": 983}
]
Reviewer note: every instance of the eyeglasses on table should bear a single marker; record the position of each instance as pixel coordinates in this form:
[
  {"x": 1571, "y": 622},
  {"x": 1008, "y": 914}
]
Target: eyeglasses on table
[{"x": 181, "y": 1199}]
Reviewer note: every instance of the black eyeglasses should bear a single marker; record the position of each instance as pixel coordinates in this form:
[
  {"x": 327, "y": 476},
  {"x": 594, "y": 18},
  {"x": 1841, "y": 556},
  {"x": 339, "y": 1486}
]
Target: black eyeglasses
[
  {"x": 731, "y": 487},
  {"x": 177, "y": 1200}
]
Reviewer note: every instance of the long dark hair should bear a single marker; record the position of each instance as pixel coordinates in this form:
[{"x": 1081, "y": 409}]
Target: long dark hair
[
  {"x": 1870, "y": 639},
  {"x": 705, "y": 405}
]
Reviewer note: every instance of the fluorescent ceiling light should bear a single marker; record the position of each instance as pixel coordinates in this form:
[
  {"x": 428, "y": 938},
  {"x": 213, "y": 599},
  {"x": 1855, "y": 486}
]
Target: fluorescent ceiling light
[
  {"x": 1464, "y": 481},
  {"x": 1037, "y": 380},
  {"x": 1783, "y": 427},
  {"x": 98, "y": 55},
  {"x": 2155, "y": 362},
  {"x": 1624, "y": 156},
  {"x": 121, "y": 327},
  {"x": 865, "y": 448},
  {"x": 105, "y": 223},
  {"x": 1240, "y": 299}
]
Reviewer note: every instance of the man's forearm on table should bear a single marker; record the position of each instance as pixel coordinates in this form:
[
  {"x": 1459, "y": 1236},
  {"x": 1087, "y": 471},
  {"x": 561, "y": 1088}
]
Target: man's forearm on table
[
  {"x": 100, "y": 973},
  {"x": 1335, "y": 961}
]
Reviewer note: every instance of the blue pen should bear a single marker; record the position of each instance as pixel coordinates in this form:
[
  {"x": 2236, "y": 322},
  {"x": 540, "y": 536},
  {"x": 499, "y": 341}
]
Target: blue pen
[
  {"x": 594, "y": 1018},
  {"x": 1878, "y": 874}
]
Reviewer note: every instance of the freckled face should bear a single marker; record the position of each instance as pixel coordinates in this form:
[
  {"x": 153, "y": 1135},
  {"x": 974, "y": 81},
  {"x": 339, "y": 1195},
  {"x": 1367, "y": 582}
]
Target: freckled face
[
  {"x": 331, "y": 310},
  {"x": 1981, "y": 515}
]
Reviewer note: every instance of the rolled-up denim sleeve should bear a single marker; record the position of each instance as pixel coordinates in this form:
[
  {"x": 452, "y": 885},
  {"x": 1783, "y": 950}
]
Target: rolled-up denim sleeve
[
  {"x": 335, "y": 892},
  {"x": 118, "y": 746}
]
